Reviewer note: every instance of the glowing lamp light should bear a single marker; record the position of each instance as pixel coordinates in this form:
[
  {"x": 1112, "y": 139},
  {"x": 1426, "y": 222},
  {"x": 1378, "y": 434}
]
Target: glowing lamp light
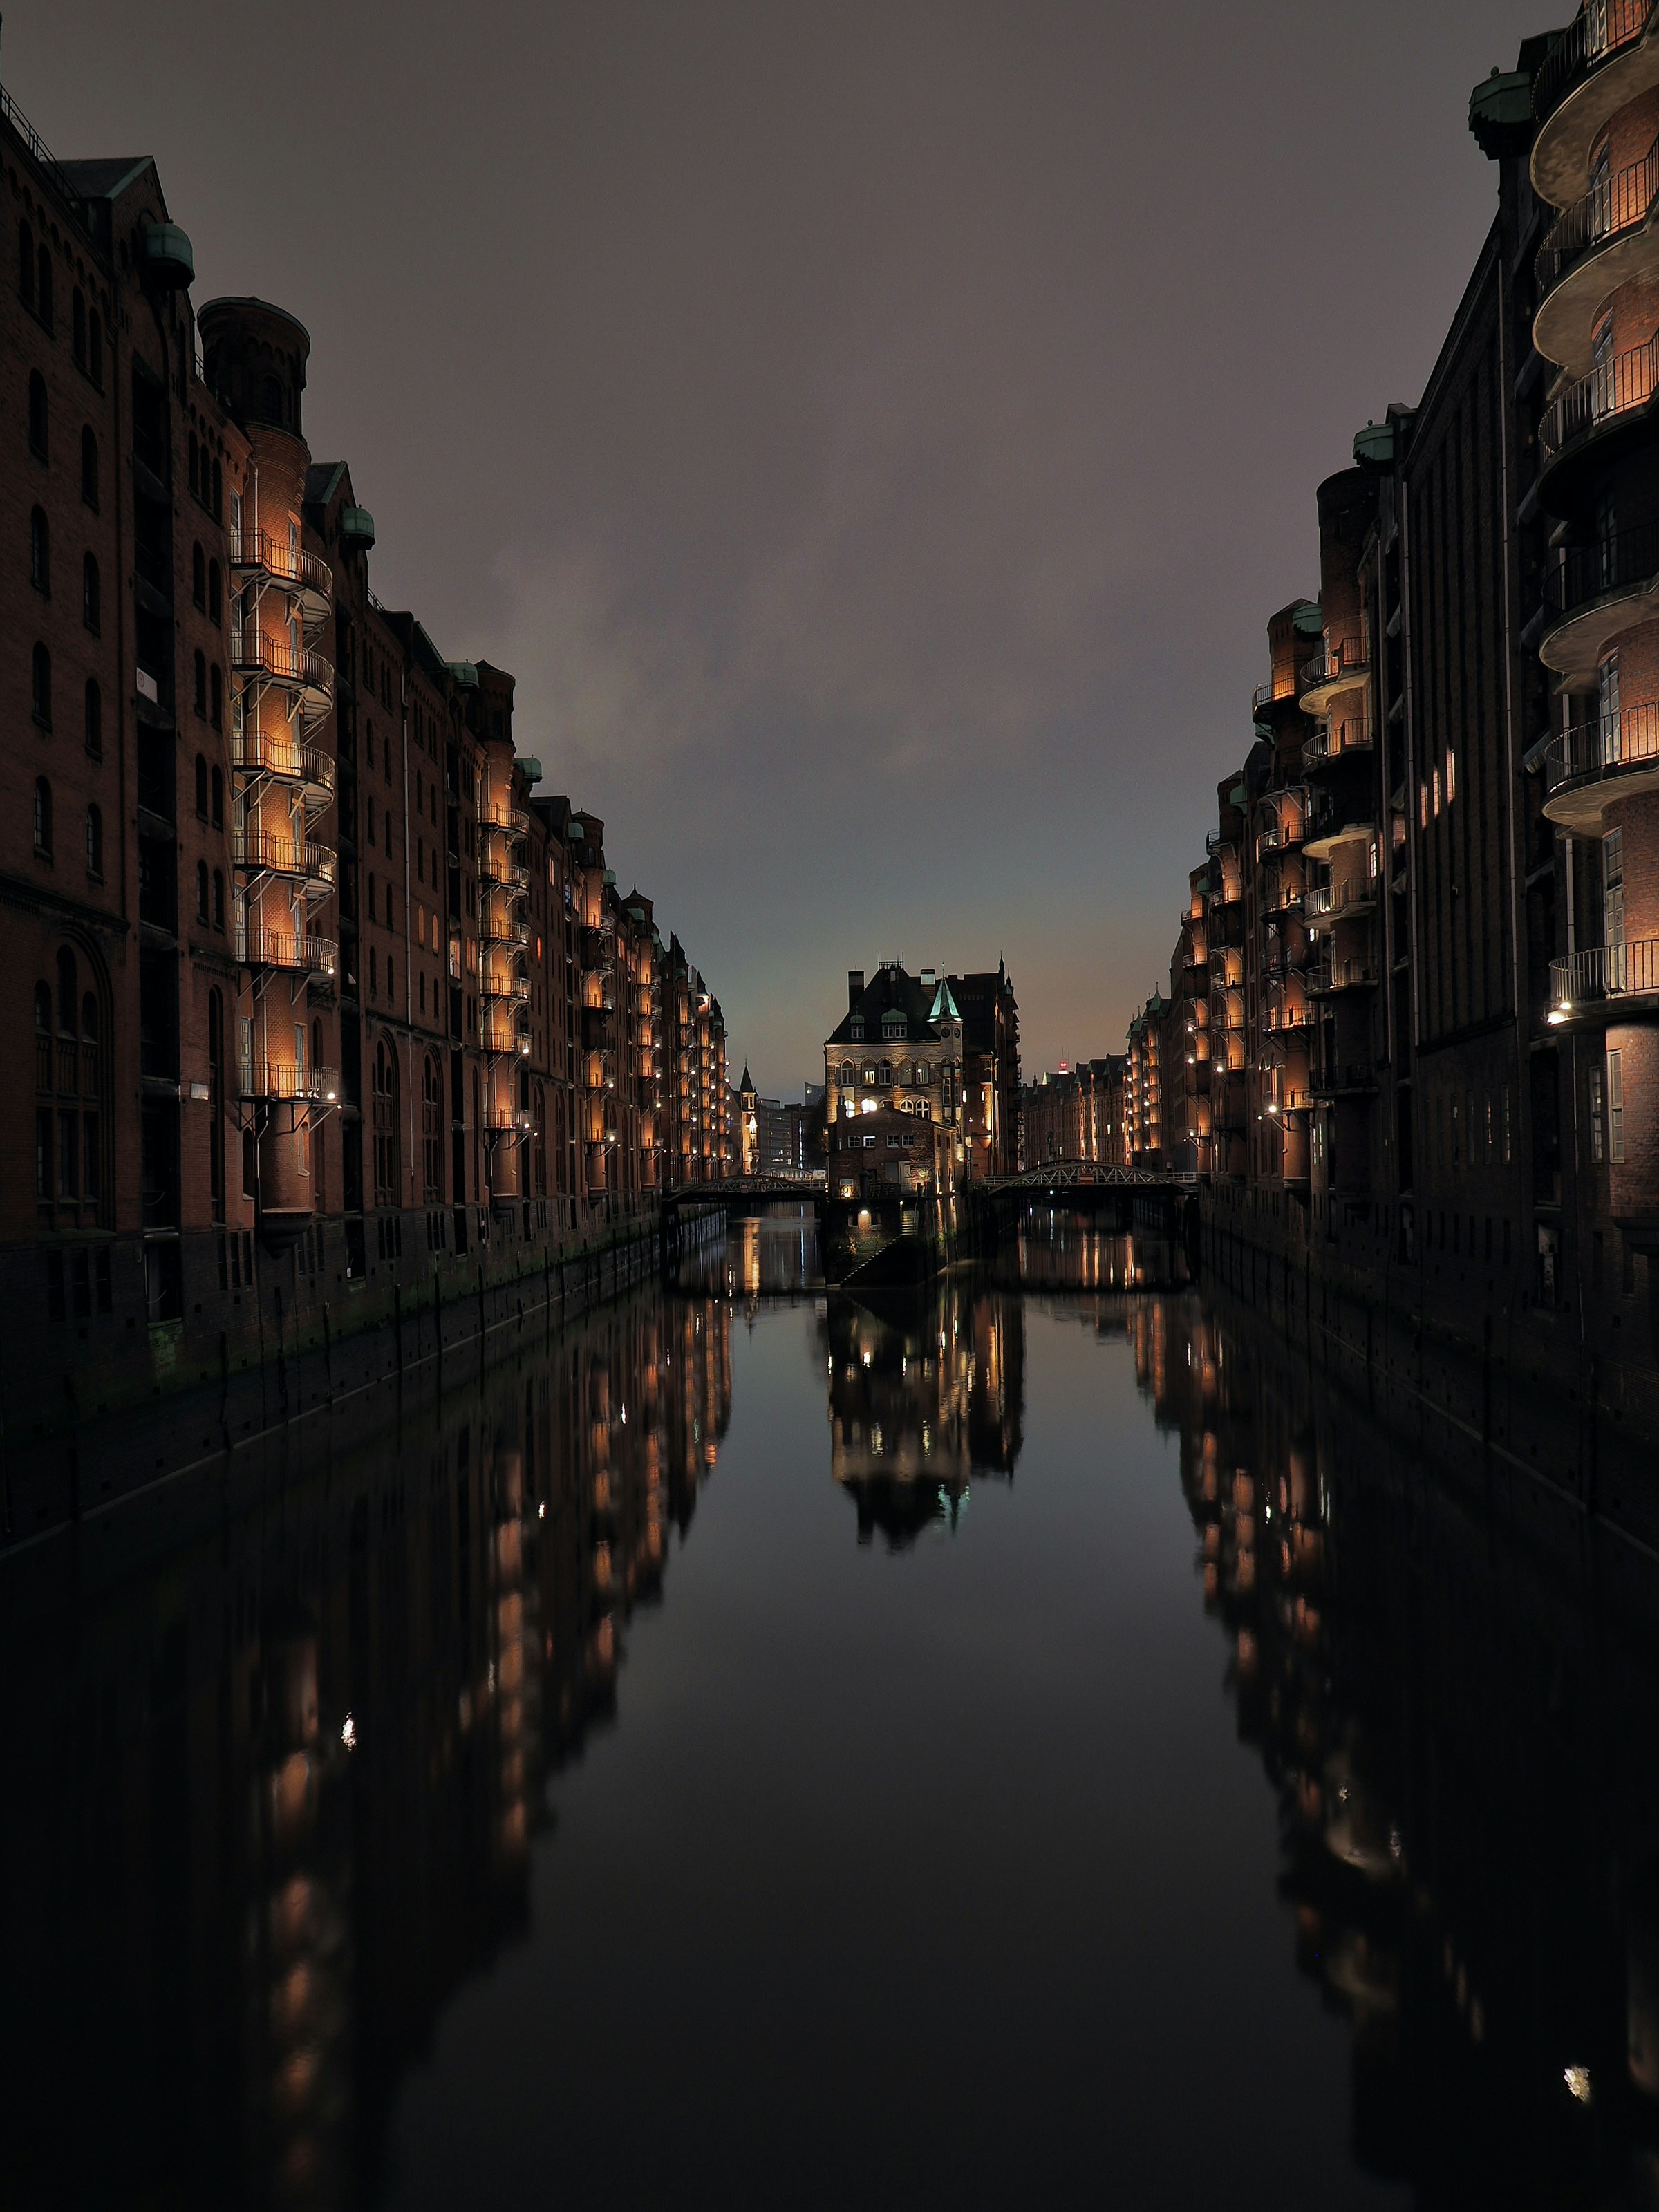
[
  {"x": 1577, "y": 2082},
  {"x": 349, "y": 1734},
  {"x": 1558, "y": 1014}
]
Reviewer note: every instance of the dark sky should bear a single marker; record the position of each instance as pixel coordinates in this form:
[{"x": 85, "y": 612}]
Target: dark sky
[{"x": 875, "y": 433}]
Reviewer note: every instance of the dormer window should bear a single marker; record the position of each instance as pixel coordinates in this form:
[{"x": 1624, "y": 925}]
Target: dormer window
[
  {"x": 893, "y": 1025},
  {"x": 856, "y": 1029}
]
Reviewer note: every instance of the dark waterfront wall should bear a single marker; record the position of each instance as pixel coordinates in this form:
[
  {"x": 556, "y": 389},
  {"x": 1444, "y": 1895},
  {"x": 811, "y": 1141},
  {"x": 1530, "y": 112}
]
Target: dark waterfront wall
[
  {"x": 276, "y": 1751},
  {"x": 304, "y": 1345}
]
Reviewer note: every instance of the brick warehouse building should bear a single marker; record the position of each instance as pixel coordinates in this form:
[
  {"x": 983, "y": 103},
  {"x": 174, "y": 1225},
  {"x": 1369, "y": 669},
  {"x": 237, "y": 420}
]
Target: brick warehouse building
[
  {"x": 1430, "y": 912},
  {"x": 326, "y": 996}
]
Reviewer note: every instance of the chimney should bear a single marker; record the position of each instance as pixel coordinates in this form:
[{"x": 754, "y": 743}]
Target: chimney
[
  {"x": 854, "y": 988},
  {"x": 928, "y": 979}
]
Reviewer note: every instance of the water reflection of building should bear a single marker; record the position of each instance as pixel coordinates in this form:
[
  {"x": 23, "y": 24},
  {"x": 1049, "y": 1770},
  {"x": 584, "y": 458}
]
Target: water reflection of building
[
  {"x": 926, "y": 1390},
  {"x": 271, "y": 1807},
  {"x": 1451, "y": 1694}
]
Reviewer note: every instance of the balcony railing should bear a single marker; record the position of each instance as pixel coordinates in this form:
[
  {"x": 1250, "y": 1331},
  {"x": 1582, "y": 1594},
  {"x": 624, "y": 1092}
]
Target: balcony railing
[
  {"x": 1600, "y": 29},
  {"x": 265, "y": 752},
  {"x": 253, "y": 653},
  {"x": 1614, "y": 388},
  {"x": 513, "y": 988},
  {"x": 1614, "y": 563},
  {"x": 508, "y": 875},
  {"x": 1328, "y": 975},
  {"x": 498, "y": 815},
  {"x": 1330, "y": 815},
  {"x": 261, "y": 946},
  {"x": 256, "y": 551},
  {"x": 1623, "y": 740},
  {"x": 1337, "y": 741},
  {"x": 503, "y": 929},
  {"x": 1343, "y": 659},
  {"x": 1276, "y": 687},
  {"x": 282, "y": 856},
  {"x": 1339, "y": 1077},
  {"x": 267, "y": 1078},
  {"x": 1608, "y": 971},
  {"x": 1332, "y": 901},
  {"x": 1614, "y": 205}
]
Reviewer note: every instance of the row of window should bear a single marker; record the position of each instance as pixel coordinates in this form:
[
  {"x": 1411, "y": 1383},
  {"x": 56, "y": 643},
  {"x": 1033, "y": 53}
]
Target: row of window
[
  {"x": 40, "y": 440},
  {"x": 40, "y": 571},
  {"x": 42, "y": 830},
  {"x": 40, "y": 702},
  {"x": 36, "y": 289},
  {"x": 883, "y": 1074}
]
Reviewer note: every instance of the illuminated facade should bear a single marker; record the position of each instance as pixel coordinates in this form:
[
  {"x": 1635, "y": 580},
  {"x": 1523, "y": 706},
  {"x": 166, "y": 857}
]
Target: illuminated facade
[
  {"x": 906, "y": 1042},
  {"x": 325, "y": 992}
]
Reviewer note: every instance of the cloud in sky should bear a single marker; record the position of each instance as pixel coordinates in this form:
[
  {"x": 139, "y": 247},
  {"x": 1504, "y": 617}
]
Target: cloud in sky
[{"x": 874, "y": 432}]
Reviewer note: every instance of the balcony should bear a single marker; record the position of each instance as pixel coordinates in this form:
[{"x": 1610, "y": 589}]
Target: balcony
[
  {"x": 510, "y": 990},
  {"x": 267, "y": 1078},
  {"x": 1604, "y": 981},
  {"x": 1594, "y": 762},
  {"x": 1336, "y": 741},
  {"x": 300, "y": 669},
  {"x": 1603, "y": 240},
  {"x": 1281, "y": 686},
  {"x": 511, "y": 876},
  {"x": 1335, "y": 902},
  {"x": 1603, "y": 59},
  {"x": 1343, "y": 1078},
  {"x": 266, "y": 752},
  {"x": 501, "y": 1116},
  {"x": 1595, "y": 418},
  {"x": 1596, "y": 592},
  {"x": 500, "y": 1033},
  {"x": 503, "y": 929},
  {"x": 261, "y": 854},
  {"x": 1343, "y": 665},
  {"x": 261, "y": 946},
  {"x": 498, "y": 815},
  {"x": 1335, "y": 820},
  {"x": 1327, "y": 977},
  {"x": 1293, "y": 1015},
  {"x": 311, "y": 580}
]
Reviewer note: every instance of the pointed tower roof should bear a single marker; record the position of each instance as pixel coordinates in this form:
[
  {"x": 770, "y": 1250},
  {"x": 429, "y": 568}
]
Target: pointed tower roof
[
  {"x": 944, "y": 1008},
  {"x": 745, "y": 1085}
]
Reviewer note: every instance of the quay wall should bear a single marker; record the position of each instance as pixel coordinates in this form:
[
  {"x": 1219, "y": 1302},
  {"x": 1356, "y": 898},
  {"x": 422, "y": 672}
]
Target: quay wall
[
  {"x": 136, "y": 1403},
  {"x": 1465, "y": 1340}
]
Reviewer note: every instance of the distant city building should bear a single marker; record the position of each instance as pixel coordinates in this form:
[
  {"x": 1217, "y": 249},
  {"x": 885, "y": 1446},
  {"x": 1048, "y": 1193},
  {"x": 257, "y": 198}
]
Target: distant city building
[
  {"x": 906, "y": 1042},
  {"x": 1077, "y": 1114}
]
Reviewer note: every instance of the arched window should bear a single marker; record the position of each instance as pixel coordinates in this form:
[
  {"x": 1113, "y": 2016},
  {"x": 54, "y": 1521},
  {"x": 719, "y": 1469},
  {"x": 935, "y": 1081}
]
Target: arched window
[
  {"x": 201, "y": 787},
  {"x": 847, "y": 1072},
  {"x": 91, "y": 597},
  {"x": 216, "y": 697},
  {"x": 40, "y": 551},
  {"x": 43, "y": 285},
  {"x": 68, "y": 991},
  {"x": 26, "y": 264},
  {"x": 195, "y": 464},
  {"x": 270, "y": 400},
  {"x": 95, "y": 719},
  {"x": 217, "y": 780},
  {"x": 38, "y": 413},
  {"x": 201, "y": 890},
  {"x": 95, "y": 348},
  {"x": 218, "y": 898},
  {"x": 89, "y": 466},
  {"x": 432, "y": 1151},
  {"x": 215, "y": 593},
  {"x": 383, "y": 1090},
  {"x": 199, "y": 667},
  {"x": 884, "y": 1074},
  {"x": 78, "y": 326},
  {"x": 43, "y": 817},
  {"x": 94, "y": 841},
  {"x": 218, "y": 493},
  {"x": 199, "y": 577},
  {"x": 216, "y": 1093}
]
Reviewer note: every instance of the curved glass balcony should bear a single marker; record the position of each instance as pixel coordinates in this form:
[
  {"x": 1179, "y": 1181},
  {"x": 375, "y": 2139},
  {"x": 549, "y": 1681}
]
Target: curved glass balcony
[
  {"x": 1342, "y": 666},
  {"x": 1594, "y": 762},
  {"x": 1596, "y": 592},
  {"x": 1601, "y": 241},
  {"x": 1604, "y": 59},
  {"x": 1603, "y": 980}
]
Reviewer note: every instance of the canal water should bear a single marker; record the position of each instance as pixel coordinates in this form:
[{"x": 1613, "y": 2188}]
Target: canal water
[{"x": 1036, "y": 1742}]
